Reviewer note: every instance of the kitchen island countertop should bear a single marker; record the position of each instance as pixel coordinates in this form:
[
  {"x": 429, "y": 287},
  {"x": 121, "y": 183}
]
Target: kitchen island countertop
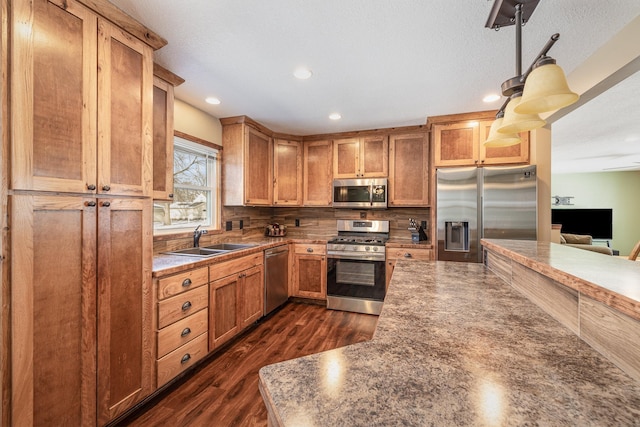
[{"x": 454, "y": 345}]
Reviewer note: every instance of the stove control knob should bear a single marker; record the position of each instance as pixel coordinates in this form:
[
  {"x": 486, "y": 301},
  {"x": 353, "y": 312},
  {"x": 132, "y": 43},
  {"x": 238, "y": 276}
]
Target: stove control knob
[
  {"x": 367, "y": 248},
  {"x": 375, "y": 249},
  {"x": 341, "y": 247}
]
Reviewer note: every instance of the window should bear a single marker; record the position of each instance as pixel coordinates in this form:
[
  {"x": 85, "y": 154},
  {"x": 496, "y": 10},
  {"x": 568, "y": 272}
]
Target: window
[{"x": 195, "y": 182}]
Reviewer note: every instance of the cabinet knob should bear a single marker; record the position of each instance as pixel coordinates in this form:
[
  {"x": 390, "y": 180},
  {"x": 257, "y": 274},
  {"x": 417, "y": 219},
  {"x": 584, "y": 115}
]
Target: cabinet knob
[
  {"x": 91, "y": 187},
  {"x": 106, "y": 204},
  {"x": 185, "y": 358},
  {"x": 309, "y": 250},
  {"x": 185, "y": 332},
  {"x": 90, "y": 204},
  {"x": 186, "y": 283},
  {"x": 407, "y": 255},
  {"x": 171, "y": 195},
  {"x": 106, "y": 188},
  {"x": 186, "y": 306}
]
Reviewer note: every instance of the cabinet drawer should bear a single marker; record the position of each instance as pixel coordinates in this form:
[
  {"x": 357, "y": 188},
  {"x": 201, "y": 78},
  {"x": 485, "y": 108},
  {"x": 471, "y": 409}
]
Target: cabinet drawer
[
  {"x": 224, "y": 269},
  {"x": 183, "y": 282},
  {"x": 410, "y": 254},
  {"x": 314, "y": 248},
  {"x": 180, "y": 306},
  {"x": 181, "y": 358},
  {"x": 182, "y": 331}
]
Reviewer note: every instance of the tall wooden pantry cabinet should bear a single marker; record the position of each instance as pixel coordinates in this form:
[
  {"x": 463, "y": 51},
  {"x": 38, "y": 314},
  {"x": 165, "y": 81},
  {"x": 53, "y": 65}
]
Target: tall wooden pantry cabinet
[{"x": 77, "y": 299}]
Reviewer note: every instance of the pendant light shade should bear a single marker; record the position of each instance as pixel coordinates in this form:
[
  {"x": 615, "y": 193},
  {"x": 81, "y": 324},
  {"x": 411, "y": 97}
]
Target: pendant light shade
[
  {"x": 516, "y": 123},
  {"x": 546, "y": 89},
  {"x": 497, "y": 139}
]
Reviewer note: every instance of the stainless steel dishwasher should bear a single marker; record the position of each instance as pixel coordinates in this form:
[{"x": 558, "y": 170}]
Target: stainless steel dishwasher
[{"x": 276, "y": 277}]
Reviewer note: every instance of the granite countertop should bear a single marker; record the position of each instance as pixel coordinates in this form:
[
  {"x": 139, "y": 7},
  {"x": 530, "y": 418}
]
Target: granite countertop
[
  {"x": 614, "y": 281},
  {"x": 454, "y": 345},
  {"x": 164, "y": 264}
]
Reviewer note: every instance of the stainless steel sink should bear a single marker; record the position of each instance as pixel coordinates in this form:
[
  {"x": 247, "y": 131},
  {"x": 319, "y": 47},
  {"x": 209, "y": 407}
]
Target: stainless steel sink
[
  {"x": 199, "y": 252},
  {"x": 229, "y": 246}
]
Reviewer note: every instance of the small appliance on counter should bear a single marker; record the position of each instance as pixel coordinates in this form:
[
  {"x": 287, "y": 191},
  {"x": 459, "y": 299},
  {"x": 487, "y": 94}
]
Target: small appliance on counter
[
  {"x": 417, "y": 232},
  {"x": 275, "y": 230}
]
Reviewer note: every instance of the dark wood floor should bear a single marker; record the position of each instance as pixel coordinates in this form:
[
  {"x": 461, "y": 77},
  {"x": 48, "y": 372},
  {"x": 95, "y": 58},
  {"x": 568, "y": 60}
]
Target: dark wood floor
[{"x": 225, "y": 391}]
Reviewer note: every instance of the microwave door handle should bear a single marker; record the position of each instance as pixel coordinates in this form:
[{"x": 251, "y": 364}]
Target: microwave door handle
[{"x": 371, "y": 194}]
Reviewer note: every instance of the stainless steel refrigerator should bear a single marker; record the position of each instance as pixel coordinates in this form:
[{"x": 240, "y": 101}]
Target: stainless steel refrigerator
[{"x": 492, "y": 202}]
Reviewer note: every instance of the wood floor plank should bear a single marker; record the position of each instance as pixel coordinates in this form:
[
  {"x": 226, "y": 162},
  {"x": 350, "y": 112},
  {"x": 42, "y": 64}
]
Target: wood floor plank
[{"x": 225, "y": 391}]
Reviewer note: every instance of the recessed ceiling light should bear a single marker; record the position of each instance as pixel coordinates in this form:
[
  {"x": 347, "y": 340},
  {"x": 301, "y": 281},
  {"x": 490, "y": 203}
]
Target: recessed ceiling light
[
  {"x": 335, "y": 116},
  {"x": 212, "y": 100},
  {"x": 491, "y": 98},
  {"x": 302, "y": 73}
]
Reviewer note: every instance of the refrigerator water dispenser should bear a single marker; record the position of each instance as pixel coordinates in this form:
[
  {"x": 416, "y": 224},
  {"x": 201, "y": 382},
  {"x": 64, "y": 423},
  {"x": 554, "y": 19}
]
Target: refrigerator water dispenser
[{"x": 457, "y": 236}]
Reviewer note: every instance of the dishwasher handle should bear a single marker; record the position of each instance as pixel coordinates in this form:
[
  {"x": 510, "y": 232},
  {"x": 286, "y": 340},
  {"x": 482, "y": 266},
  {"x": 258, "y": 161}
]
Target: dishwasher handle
[{"x": 275, "y": 252}]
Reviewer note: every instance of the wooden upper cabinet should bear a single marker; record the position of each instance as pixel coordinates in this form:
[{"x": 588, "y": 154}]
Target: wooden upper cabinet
[
  {"x": 287, "y": 173},
  {"x": 164, "y": 82},
  {"x": 317, "y": 173},
  {"x": 125, "y": 113},
  {"x": 518, "y": 153},
  {"x": 462, "y": 144},
  {"x": 247, "y": 164},
  {"x": 53, "y": 97},
  {"x": 409, "y": 170},
  {"x": 364, "y": 157},
  {"x": 83, "y": 88}
]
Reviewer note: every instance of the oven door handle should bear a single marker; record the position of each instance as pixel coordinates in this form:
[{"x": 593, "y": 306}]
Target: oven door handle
[{"x": 355, "y": 257}]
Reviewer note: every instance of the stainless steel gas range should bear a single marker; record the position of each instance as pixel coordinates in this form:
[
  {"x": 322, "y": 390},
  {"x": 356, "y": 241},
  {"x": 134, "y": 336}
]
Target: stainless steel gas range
[{"x": 356, "y": 266}]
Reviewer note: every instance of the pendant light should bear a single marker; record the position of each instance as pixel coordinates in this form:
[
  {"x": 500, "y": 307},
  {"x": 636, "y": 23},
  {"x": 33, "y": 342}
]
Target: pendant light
[
  {"x": 499, "y": 139},
  {"x": 514, "y": 122},
  {"x": 543, "y": 87},
  {"x": 546, "y": 89}
]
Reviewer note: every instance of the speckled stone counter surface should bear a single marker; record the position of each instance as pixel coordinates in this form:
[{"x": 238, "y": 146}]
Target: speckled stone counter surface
[
  {"x": 611, "y": 280},
  {"x": 454, "y": 345},
  {"x": 164, "y": 264}
]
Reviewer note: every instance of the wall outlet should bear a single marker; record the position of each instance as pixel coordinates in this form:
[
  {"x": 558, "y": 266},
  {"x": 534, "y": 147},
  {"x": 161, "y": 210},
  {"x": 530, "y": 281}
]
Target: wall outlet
[
  {"x": 297, "y": 222},
  {"x": 229, "y": 226}
]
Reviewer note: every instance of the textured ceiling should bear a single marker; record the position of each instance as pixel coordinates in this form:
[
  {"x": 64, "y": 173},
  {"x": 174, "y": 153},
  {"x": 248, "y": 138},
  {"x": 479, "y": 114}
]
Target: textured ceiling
[{"x": 379, "y": 63}]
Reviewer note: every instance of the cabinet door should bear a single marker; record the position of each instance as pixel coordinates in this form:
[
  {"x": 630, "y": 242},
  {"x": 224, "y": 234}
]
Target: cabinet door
[
  {"x": 53, "y": 305},
  {"x": 258, "y": 168},
  {"x": 163, "y": 101},
  {"x": 125, "y": 338},
  {"x": 251, "y": 296},
  {"x": 409, "y": 170},
  {"x": 287, "y": 173},
  {"x": 346, "y": 158},
  {"x": 374, "y": 157},
  {"x": 223, "y": 314},
  {"x": 310, "y": 276},
  {"x": 518, "y": 153},
  {"x": 125, "y": 113},
  {"x": 53, "y": 147},
  {"x": 318, "y": 176},
  {"x": 456, "y": 144}
]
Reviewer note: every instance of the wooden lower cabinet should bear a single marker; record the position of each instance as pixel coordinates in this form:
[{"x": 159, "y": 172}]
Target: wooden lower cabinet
[
  {"x": 182, "y": 322},
  {"x": 236, "y": 297},
  {"x": 309, "y": 270},
  {"x": 407, "y": 253},
  {"x": 81, "y": 282}
]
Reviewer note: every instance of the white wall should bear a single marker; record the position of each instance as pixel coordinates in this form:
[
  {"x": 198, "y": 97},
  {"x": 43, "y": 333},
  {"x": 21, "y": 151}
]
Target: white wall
[
  {"x": 614, "y": 190},
  {"x": 195, "y": 122}
]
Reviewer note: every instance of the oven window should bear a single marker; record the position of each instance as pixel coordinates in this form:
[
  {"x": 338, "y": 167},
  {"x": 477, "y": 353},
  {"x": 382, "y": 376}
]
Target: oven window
[{"x": 355, "y": 273}]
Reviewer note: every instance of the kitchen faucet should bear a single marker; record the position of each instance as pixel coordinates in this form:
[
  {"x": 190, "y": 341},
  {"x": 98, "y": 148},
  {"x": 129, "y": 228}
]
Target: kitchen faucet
[{"x": 196, "y": 236}]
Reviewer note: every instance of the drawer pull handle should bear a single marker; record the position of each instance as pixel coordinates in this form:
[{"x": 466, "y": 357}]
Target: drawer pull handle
[
  {"x": 185, "y": 332},
  {"x": 186, "y": 283},
  {"x": 106, "y": 204},
  {"x": 186, "y": 306},
  {"x": 309, "y": 250},
  {"x": 407, "y": 255},
  {"x": 91, "y": 187},
  {"x": 106, "y": 188},
  {"x": 185, "y": 358},
  {"x": 91, "y": 204}
]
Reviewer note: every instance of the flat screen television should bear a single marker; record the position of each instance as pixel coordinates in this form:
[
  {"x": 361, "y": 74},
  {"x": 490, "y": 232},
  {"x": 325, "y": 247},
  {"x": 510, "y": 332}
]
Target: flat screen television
[{"x": 598, "y": 223}]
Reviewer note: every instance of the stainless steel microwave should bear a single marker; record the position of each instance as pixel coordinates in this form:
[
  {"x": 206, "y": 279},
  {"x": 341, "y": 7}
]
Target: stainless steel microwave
[{"x": 360, "y": 193}]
